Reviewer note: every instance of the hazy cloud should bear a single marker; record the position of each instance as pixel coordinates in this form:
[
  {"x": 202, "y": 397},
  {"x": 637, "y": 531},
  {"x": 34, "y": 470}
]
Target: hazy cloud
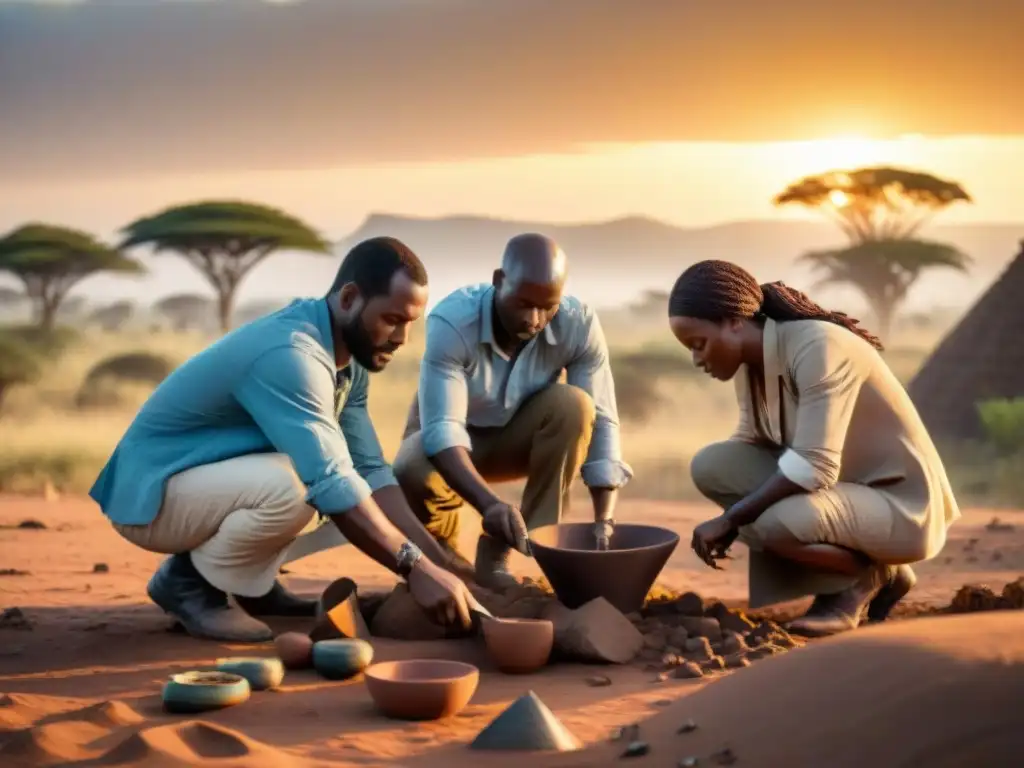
[{"x": 105, "y": 87}]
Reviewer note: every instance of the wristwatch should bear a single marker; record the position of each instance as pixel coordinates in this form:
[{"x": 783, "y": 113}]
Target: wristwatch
[{"x": 408, "y": 555}]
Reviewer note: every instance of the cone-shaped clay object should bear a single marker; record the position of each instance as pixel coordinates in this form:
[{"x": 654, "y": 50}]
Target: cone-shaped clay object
[
  {"x": 527, "y": 724},
  {"x": 338, "y": 614},
  {"x": 622, "y": 575}
]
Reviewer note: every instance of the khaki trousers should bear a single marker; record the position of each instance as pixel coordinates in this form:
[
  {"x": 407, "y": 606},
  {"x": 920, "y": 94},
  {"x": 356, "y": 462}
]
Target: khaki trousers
[
  {"x": 237, "y": 518},
  {"x": 546, "y": 442},
  {"x": 849, "y": 515}
]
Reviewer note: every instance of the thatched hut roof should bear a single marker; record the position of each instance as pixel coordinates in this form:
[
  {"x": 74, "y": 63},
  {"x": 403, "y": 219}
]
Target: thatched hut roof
[{"x": 981, "y": 358}]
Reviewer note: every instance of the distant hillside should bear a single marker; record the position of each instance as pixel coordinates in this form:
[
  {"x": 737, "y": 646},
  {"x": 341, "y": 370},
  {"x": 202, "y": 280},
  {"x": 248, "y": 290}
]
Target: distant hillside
[{"x": 612, "y": 261}]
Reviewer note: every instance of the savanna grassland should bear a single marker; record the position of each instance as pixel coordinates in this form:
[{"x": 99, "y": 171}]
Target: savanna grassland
[{"x": 58, "y": 431}]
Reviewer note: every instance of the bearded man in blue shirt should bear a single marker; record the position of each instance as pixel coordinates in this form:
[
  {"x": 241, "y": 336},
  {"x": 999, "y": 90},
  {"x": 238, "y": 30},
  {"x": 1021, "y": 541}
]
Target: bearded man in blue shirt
[{"x": 233, "y": 455}]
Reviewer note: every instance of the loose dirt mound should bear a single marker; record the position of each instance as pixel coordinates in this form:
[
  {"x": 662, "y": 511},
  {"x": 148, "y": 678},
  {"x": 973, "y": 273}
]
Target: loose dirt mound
[
  {"x": 942, "y": 692},
  {"x": 193, "y": 743}
]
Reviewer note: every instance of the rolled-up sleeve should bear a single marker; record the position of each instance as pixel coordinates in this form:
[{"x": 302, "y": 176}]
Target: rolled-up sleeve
[
  {"x": 361, "y": 436},
  {"x": 591, "y": 371},
  {"x": 828, "y": 371},
  {"x": 443, "y": 391},
  {"x": 289, "y": 393}
]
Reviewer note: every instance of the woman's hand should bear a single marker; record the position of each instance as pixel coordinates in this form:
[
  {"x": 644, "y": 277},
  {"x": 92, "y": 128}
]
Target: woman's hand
[{"x": 712, "y": 539}]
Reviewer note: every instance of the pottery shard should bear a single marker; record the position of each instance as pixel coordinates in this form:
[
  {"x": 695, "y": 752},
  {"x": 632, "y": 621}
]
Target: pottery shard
[
  {"x": 401, "y": 618},
  {"x": 596, "y": 631},
  {"x": 702, "y": 627}
]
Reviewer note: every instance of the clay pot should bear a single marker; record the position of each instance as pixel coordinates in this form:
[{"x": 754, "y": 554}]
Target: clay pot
[
  {"x": 518, "y": 646},
  {"x": 341, "y": 659},
  {"x": 421, "y": 689},
  {"x": 578, "y": 573}
]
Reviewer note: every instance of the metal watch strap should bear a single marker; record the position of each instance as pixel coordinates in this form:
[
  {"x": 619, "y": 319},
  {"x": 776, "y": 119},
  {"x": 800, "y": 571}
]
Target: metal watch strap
[{"x": 408, "y": 555}]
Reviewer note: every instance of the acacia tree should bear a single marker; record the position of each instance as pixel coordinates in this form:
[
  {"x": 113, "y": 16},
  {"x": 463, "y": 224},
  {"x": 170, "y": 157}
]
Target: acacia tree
[
  {"x": 185, "y": 310},
  {"x": 224, "y": 240},
  {"x": 50, "y": 260},
  {"x": 880, "y": 210}
]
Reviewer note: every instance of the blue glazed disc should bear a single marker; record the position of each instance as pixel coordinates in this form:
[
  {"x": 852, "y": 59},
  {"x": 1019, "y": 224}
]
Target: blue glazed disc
[
  {"x": 262, "y": 673},
  {"x": 341, "y": 659},
  {"x": 189, "y": 692}
]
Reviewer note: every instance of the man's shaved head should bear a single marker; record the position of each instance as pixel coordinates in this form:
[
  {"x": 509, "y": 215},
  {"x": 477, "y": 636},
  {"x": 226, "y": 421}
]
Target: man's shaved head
[
  {"x": 534, "y": 258},
  {"x": 529, "y": 285}
]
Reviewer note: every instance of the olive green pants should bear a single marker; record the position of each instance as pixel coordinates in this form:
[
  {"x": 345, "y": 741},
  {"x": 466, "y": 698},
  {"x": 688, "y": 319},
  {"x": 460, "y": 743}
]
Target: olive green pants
[{"x": 546, "y": 442}]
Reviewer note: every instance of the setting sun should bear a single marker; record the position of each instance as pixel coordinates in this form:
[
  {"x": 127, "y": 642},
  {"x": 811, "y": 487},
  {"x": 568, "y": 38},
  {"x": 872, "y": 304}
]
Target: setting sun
[
  {"x": 842, "y": 152},
  {"x": 838, "y": 198}
]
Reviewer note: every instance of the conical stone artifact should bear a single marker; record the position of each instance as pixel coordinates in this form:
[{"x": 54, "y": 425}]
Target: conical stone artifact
[{"x": 526, "y": 724}]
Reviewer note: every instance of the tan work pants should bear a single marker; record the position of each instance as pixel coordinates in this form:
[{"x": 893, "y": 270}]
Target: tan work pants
[{"x": 237, "y": 517}]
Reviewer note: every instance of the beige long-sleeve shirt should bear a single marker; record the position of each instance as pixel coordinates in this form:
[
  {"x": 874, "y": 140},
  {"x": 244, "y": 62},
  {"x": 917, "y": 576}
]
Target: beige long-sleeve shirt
[{"x": 841, "y": 415}]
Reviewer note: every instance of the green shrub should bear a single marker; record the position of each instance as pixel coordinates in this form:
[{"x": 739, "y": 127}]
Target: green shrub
[
  {"x": 19, "y": 363},
  {"x": 1003, "y": 421},
  {"x": 637, "y": 375},
  {"x": 104, "y": 382},
  {"x": 45, "y": 342}
]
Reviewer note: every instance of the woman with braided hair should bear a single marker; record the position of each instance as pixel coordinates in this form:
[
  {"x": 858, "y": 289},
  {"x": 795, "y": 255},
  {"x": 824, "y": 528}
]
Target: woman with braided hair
[{"x": 830, "y": 478}]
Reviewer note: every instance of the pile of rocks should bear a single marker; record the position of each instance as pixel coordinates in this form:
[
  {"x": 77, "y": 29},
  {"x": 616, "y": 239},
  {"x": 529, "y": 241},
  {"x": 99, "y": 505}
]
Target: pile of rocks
[
  {"x": 674, "y": 635},
  {"x": 979, "y": 597},
  {"x": 684, "y": 637}
]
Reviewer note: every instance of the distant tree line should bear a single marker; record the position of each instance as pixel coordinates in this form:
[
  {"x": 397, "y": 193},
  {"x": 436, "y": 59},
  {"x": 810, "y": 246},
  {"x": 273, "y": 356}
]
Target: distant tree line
[
  {"x": 224, "y": 240},
  {"x": 879, "y": 210}
]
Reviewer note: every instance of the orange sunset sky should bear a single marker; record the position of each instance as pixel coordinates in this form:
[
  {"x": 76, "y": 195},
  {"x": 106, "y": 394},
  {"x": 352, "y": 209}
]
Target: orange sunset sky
[{"x": 691, "y": 112}]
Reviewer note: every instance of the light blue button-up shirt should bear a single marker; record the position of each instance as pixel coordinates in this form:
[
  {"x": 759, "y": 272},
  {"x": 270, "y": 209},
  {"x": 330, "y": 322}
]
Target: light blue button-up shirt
[
  {"x": 268, "y": 386},
  {"x": 467, "y": 380}
]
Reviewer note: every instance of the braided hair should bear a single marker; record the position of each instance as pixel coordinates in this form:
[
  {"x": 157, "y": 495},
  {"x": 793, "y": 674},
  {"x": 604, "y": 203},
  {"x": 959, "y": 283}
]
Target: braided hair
[{"x": 718, "y": 290}]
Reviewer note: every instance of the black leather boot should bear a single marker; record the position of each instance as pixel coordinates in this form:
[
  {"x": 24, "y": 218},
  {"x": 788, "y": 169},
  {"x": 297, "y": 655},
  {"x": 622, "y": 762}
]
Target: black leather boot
[
  {"x": 203, "y": 610},
  {"x": 277, "y": 602},
  {"x": 846, "y": 610},
  {"x": 901, "y": 580}
]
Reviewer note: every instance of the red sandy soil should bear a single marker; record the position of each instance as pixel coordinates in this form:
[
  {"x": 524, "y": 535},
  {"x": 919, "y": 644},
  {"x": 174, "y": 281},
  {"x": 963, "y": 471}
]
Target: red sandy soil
[{"x": 82, "y": 686}]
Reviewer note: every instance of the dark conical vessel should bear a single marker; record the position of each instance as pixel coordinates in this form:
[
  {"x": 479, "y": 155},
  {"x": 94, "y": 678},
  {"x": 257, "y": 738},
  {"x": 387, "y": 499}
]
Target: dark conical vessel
[{"x": 578, "y": 573}]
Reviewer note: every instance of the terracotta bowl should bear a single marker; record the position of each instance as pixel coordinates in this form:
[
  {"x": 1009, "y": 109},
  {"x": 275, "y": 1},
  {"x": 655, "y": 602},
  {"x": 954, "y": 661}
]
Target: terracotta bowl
[
  {"x": 421, "y": 689},
  {"x": 518, "y": 646},
  {"x": 578, "y": 573}
]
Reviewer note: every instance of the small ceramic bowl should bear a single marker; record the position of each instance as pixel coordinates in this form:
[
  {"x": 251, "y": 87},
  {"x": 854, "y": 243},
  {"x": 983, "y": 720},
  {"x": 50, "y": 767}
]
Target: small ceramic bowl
[
  {"x": 341, "y": 659},
  {"x": 422, "y": 689},
  {"x": 189, "y": 692},
  {"x": 518, "y": 646},
  {"x": 262, "y": 673}
]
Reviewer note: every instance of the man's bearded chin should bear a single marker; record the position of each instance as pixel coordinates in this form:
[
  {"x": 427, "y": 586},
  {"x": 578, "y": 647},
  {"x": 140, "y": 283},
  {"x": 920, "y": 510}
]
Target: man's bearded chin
[{"x": 359, "y": 345}]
